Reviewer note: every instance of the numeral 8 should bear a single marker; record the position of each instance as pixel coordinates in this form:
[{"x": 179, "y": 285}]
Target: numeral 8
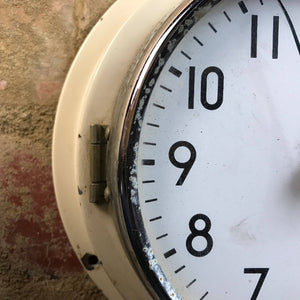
[{"x": 199, "y": 233}]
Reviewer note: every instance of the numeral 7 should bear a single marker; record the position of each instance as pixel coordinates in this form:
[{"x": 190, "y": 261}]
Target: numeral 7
[{"x": 263, "y": 272}]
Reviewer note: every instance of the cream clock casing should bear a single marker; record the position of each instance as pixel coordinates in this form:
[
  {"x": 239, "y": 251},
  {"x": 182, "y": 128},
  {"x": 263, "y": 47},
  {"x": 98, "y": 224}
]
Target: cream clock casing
[{"x": 199, "y": 100}]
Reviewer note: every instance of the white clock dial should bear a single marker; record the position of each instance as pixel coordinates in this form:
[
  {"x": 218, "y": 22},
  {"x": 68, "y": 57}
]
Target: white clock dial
[{"x": 216, "y": 159}]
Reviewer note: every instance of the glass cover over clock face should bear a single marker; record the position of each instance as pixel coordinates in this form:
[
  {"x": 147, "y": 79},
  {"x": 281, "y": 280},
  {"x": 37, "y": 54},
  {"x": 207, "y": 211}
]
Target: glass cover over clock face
[{"x": 213, "y": 155}]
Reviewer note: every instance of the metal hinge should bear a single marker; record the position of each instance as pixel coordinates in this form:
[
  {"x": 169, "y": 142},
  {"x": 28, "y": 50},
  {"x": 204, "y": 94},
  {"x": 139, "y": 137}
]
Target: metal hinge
[{"x": 99, "y": 135}]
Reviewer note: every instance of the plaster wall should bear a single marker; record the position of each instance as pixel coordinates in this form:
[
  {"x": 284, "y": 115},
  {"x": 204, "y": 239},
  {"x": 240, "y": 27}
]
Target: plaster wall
[{"x": 38, "y": 41}]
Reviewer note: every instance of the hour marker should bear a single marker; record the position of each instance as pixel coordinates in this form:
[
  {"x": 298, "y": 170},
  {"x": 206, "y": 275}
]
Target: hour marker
[
  {"x": 165, "y": 88},
  {"x": 254, "y": 23},
  {"x": 254, "y": 34},
  {"x": 275, "y": 36},
  {"x": 155, "y": 219},
  {"x": 179, "y": 269},
  {"x": 149, "y": 181},
  {"x": 191, "y": 283},
  {"x": 148, "y": 162},
  {"x": 162, "y": 236},
  {"x": 186, "y": 55},
  {"x": 204, "y": 296},
  {"x": 175, "y": 72},
  {"x": 227, "y": 17},
  {"x": 243, "y": 7},
  {"x": 158, "y": 106},
  {"x": 198, "y": 41},
  {"x": 153, "y": 125},
  {"x": 151, "y": 200},
  {"x": 170, "y": 253},
  {"x": 212, "y": 27},
  {"x": 261, "y": 2},
  {"x": 149, "y": 144}
]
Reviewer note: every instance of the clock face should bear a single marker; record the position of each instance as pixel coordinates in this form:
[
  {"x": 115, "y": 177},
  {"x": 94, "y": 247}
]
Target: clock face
[{"x": 213, "y": 156}]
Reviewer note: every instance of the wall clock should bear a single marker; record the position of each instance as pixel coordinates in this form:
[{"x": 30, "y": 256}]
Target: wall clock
[{"x": 176, "y": 152}]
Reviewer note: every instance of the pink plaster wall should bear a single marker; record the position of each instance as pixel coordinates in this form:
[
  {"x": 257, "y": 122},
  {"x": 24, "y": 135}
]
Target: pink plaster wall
[{"x": 38, "y": 41}]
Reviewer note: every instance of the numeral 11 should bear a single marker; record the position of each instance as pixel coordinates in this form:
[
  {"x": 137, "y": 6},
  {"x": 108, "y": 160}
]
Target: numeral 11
[{"x": 254, "y": 30}]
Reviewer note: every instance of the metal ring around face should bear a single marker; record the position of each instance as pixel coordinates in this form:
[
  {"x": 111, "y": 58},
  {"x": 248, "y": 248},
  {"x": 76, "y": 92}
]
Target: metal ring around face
[{"x": 128, "y": 209}]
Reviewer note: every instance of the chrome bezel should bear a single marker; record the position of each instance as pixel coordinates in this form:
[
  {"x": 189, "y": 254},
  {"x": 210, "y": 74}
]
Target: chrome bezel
[{"x": 121, "y": 153}]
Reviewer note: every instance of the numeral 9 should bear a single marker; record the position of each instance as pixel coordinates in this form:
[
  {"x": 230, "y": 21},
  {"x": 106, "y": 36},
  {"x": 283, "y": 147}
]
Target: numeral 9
[{"x": 186, "y": 166}]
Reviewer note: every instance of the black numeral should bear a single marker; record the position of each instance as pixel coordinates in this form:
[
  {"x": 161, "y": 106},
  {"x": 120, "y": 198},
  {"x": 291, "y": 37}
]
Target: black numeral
[
  {"x": 212, "y": 104},
  {"x": 186, "y": 166},
  {"x": 204, "y": 233},
  {"x": 254, "y": 24},
  {"x": 192, "y": 87},
  {"x": 254, "y": 31},
  {"x": 275, "y": 37},
  {"x": 263, "y": 272},
  {"x": 219, "y": 101}
]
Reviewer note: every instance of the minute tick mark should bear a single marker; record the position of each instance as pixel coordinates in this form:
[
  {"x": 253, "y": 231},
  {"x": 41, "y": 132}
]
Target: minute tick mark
[
  {"x": 186, "y": 55},
  {"x": 204, "y": 296},
  {"x": 165, "y": 88},
  {"x": 227, "y": 17},
  {"x": 148, "y": 181},
  {"x": 155, "y": 219},
  {"x": 212, "y": 27},
  {"x": 151, "y": 200},
  {"x": 162, "y": 236},
  {"x": 158, "y": 106},
  {"x": 149, "y": 144},
  {"x": 191, "y": 283},
  {"x": 179, "y": 269},
  {"x": 198, "y": 41},
  {"x": 153, "y": 125}
]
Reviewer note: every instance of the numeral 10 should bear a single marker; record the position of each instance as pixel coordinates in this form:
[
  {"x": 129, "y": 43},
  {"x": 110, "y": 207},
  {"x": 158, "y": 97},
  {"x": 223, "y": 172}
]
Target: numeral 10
[{"x": 210, "y": 104}]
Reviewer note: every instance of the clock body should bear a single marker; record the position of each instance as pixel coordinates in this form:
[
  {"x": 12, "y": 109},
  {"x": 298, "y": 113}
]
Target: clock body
[{"x": 198, "y": 105}]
